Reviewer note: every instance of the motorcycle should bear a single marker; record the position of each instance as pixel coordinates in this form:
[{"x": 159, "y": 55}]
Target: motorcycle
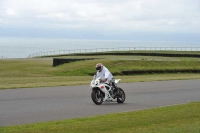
[{"x": 98, "y": 95}]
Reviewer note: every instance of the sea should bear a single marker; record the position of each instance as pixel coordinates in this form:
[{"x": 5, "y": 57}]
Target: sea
[{"x": 19, "y": 47}]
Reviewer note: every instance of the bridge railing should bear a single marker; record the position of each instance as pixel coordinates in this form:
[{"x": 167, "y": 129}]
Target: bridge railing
[{"x": 97, "y": 50}]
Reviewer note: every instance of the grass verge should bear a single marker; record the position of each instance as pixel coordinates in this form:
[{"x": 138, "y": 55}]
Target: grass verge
[
  {"x": 172, "y": 119},
  {"x": 32, "y": 82},
  {"x": 26, "y": 73}
]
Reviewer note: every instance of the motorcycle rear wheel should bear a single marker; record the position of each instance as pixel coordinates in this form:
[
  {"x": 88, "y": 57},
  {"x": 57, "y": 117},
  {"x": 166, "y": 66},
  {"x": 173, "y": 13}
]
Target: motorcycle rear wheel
[
  {"x": 97, "y": 97},
  {"x": 122, "y": 96}
]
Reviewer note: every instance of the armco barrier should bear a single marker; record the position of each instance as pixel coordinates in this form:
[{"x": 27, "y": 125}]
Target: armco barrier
[
  {"x": 136, "y": 72},
  {"x": 59, "y": 61}
]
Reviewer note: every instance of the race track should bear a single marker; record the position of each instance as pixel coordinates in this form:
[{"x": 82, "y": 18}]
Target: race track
[{"x": 22, "y": 106}]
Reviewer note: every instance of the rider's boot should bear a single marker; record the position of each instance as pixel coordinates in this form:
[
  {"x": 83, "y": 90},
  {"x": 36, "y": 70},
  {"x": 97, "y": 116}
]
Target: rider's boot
[{"x": 107, "y": 95}]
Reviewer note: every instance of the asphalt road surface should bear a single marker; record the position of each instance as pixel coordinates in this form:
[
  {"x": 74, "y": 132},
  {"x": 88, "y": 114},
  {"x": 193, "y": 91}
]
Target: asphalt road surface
[{"x": 22, "y": 106}]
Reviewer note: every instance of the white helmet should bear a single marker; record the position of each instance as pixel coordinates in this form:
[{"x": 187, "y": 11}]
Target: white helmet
[{"x": 99, "y": 67}]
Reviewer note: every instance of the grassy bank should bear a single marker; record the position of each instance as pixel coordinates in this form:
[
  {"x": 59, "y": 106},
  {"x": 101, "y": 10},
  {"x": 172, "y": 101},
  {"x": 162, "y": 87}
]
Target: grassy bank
[
  {"x": 43, "y": 68},
  {"x": 84, "y": 68},
  {"x": 27, "y": 73},
  {"x": 30, "y": 82},
  {"x": 173, "y": 119},
  {"x": 127, "y": 57}
]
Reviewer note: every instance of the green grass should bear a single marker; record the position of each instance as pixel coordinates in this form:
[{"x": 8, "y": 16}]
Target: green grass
[
  {"x": 30, "y": 82},
  {"x": 43, "y": 67},
  {"x": 83, "y": 68},
  {"x": 26, "y": 73},
  {"x": 183, "y": 118},
  {"x": 135, "y": 57}
]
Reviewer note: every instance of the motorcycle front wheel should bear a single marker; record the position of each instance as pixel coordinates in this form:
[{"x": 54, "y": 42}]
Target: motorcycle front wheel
[
  {"x": 121, "y": 95},
  {"x": 97, "y": 97}
]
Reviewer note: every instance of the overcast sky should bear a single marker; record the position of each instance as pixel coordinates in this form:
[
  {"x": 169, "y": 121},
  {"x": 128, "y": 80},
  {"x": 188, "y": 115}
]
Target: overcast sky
[{"x": 155, "y": 20}]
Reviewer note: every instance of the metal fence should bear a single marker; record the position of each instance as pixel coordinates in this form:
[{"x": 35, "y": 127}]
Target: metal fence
[
  {"x": 121, "y": 49},
  {"x": 2, "y": 57}
]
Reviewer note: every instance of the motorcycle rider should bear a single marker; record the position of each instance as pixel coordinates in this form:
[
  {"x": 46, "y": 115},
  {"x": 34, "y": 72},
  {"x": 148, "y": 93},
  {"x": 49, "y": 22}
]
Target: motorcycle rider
[{"x": 106, "y": 77}]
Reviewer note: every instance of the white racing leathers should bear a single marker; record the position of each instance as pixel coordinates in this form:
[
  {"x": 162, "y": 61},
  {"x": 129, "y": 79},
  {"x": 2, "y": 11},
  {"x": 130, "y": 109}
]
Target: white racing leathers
[{"x": 105, "y": 73}]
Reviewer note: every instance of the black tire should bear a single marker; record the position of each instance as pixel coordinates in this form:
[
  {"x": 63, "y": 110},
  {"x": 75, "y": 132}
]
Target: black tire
[
  {"x": 97, "y": 96},
  {"x": 121, "y": 95}
]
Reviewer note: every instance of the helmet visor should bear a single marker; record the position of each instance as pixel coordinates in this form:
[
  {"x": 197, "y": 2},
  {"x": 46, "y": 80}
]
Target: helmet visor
[{"x": 98, "y": 68}]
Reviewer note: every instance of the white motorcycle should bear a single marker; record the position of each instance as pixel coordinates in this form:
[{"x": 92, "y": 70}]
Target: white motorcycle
[{"x": 98, "y": 91}]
